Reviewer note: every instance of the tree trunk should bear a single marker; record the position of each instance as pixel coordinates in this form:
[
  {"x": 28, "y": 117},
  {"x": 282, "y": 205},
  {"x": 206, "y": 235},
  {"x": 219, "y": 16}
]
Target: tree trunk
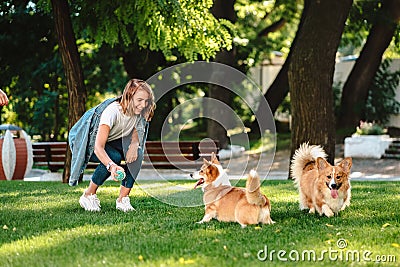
[
  {"x": 221, "y": 9},
  {"x": 355, "y": 90},
  {"x": 72, "y": 68},
  {"x": 311, "y": 74},
  {"x": 279, "y": 88}
]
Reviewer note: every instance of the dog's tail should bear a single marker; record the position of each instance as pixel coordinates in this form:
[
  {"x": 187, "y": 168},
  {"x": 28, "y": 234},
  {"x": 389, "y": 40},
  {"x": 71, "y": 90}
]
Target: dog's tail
[
  {"x": 304, "y": 159},
  {"x": 253, "y": 193}
]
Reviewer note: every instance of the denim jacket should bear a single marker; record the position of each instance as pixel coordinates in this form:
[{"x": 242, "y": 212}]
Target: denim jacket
[{"x": 82, "y": 136}]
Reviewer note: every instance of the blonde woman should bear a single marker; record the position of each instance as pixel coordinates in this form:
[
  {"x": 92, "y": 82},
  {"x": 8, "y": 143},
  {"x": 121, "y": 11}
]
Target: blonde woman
[{"x": 116, "y": 130}]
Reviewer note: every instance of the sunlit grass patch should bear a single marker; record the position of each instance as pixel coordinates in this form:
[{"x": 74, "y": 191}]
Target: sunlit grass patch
[{"x": 42, "y": 224}]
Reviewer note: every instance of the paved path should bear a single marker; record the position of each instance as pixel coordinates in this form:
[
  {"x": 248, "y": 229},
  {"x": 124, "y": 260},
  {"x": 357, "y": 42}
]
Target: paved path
[{"x": 362, "y": 169}]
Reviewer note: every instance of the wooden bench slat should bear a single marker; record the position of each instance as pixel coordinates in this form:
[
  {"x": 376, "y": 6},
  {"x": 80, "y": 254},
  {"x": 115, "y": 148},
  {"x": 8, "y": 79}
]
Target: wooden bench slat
[
  {"x": 171, "y": 143},
  {"x": 92, "y": 165},
  {"x": 169, "y": 158},
  {"x": 39, "y": 157},
  {"x": 169, "y": 154},
  {"x": 168, "y": 151},
  {"x": 164, "y": 165},
  {"x": 44, "y": 145},
  {"x": 45, "y": 153},
  {"x": 56, "y": 163},
  {"x": 41, "y": 163},
  {"x": 60, "y": 158},
  {"x": 39, "y": 152}
]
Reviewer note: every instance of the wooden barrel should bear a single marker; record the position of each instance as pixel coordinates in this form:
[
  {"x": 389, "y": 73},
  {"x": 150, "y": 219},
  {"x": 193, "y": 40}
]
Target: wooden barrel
[{"x": 16, "y": 156}]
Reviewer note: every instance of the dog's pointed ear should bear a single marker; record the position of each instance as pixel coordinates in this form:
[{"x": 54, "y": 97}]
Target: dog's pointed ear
[
  {"x": 321, "y": 163},
  {"x": 206, "y": 162},
  {"x": 213, "y": 158},
  {"x": 346, "y": 164}
]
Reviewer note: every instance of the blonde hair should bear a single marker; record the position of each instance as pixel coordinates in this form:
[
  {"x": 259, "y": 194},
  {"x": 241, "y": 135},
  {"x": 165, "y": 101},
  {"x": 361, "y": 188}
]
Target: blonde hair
[{"x": 126, "y": 101}]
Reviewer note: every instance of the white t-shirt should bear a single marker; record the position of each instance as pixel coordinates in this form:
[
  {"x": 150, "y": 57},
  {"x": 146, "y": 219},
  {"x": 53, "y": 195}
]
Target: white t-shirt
[{"x": 120, "y": 124}]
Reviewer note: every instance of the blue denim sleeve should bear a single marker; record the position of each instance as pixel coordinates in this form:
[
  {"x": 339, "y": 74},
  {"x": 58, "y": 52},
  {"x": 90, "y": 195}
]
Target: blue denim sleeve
[{"x": 78, "y": 140}]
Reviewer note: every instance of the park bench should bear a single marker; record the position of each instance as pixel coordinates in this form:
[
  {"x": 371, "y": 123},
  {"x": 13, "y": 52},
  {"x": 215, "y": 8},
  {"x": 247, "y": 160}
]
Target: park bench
[{"x": 160, "y": 155}]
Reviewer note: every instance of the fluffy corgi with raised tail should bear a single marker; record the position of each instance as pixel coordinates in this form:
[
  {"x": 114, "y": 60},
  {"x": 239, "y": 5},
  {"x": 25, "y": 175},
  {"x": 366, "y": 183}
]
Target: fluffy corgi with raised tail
[
  {"x": 322, "y": 187},
  {"x": 227, "y": 203}
]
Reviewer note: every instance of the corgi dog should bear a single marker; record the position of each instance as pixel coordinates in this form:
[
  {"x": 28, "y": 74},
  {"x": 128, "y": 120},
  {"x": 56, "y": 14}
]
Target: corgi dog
[
  {"x": 227, "y": 203},
  {"x": 322, "y": 187}
]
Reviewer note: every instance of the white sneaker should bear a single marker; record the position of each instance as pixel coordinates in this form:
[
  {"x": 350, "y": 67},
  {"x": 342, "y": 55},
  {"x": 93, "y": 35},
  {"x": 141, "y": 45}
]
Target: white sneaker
[
  {"x": 124, "y": 205},
  {"x": 90, "y": 203}
]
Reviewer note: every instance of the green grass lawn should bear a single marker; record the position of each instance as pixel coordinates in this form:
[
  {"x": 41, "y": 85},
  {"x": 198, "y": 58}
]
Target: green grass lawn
[{"x": 42, "y": 224}]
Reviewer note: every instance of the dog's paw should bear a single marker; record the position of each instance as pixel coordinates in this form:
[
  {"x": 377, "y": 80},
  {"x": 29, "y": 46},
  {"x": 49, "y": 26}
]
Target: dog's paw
[
  {"x": 268, "y": 221},
  {"x": 345, "y": 205},
  {"x": 329, "y": 214},
  {"x": 312, "y": 210},
  {"x": 200, "y": 222},
  {"x": 206, "y": 218},
  {"x": 327, "y": 211}
]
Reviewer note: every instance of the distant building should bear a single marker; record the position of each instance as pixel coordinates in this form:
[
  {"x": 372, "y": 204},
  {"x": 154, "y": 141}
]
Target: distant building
[{"x": 265, "y": 74}]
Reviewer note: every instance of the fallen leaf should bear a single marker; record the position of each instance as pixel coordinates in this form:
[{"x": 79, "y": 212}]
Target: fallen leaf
[
  {"x": 329, "y": 225},
  {"x": 246, "y": 254},
  {"x": 329, "y": 241}
]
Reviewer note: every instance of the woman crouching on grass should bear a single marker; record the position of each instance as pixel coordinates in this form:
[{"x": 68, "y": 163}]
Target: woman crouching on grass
[{"x": 114, "y": 131}]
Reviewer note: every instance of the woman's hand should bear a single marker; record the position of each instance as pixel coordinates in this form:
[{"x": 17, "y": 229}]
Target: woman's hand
[
  {"x": 132, "y": 153},
  {"x": 100, "y": 152},
  {"x": 113, "y": 170},
  {"x": 3, "y": 98}
]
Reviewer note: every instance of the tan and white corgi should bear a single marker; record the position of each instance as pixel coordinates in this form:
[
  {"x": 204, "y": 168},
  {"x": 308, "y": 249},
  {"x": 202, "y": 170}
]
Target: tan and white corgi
[
  {"x": 227, "y": 203},
  {"x": 322, "y": 187}
]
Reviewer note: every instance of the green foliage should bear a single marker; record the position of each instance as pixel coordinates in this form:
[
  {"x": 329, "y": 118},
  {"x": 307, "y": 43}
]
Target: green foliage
[
  {"x": 107, "y": 29},
  {"x": 27, "y": 63},
  {"x": 174, "y": 27},
  {"x": 252, "y": 18},
  {"x": 44, "y": 115},
  {"x": 358, "y": 24},
  {"x": 381, "y": 101},
  {"x": 363, "y": 15},
  {"x": 337, "y": 94},
  {"x": 42, "y": 224},
  {"x": 33, "y": 74}
]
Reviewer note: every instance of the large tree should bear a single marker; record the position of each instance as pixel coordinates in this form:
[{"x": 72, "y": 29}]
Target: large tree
[
  {"x": 355, "y": 90},
  {"x": 171, "y": 28},
  {"x": 222, "y": 9},
  {"x": 311, "y": 72},
  {"x": 72, "y": 68},
  {"x": 279, "y": 88}
]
